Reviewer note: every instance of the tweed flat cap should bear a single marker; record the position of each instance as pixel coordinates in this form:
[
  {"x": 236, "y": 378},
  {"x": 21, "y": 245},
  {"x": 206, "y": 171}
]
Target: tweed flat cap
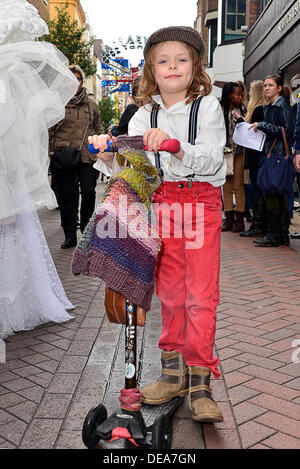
[{"x": 184, "y": 34}]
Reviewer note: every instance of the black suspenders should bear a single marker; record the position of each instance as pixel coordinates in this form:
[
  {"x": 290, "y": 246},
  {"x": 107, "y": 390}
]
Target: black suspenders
[{"x": 192, "y": 129}]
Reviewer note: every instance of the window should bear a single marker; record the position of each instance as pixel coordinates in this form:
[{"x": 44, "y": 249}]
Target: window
[
  {"x": 234, "y": 19},
  {"x": 264, "y": 3},
  {"x": 212, "y": 40}
]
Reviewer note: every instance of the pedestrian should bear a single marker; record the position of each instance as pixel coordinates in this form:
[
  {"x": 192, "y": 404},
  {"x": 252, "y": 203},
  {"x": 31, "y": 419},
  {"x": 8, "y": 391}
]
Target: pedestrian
[
  {"x": 295, "y": 89},
  {"x": 278, "y": 113},
  {"x": 231, "y": 100},
  {"x": 290, "y": 197},
  {"x": 244, "y": 96},
  {"x": 131, "y": 108},
  {"x": 71, "y": 163},
  {"x": 255, "y": 113},
  {"x": 187, "y": 276},
  {"x": 297, "y": 138},
  {"x": 36, "y": 85},
  {"x": 297, "y": 146}
]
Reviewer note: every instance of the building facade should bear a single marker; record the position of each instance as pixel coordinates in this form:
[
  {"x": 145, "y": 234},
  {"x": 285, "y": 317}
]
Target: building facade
[
  {"x": 223, "y": 25},
  {"x": 76, "y": 13},
  {"x": 43, "y": 8},
  {"x": 273, "y": 43},
  {"x": 75, "y": 10}
]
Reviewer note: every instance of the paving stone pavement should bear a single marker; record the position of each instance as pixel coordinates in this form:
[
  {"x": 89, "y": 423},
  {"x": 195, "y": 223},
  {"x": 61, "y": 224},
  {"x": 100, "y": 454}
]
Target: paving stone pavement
[{"x": 55, "y": 373}]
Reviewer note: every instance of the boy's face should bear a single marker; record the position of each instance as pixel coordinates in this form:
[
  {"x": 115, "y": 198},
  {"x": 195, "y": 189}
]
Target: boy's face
[{"x": 173, "y": 68}]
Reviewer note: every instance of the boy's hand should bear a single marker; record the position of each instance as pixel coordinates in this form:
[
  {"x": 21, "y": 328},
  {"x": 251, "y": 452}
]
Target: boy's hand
[{"x": 153, "y": 138}]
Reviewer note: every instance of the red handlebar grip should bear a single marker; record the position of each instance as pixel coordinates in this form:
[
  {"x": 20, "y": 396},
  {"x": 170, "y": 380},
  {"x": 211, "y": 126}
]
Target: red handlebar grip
[{"x": 172, "y": 146}]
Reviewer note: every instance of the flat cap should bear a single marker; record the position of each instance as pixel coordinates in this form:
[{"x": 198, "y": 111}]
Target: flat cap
[{"x": 184, "y": 34}]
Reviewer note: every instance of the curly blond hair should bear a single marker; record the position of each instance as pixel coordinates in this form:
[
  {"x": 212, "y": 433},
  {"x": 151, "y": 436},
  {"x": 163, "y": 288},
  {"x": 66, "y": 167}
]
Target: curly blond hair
[{"x": 200, "y": 82}]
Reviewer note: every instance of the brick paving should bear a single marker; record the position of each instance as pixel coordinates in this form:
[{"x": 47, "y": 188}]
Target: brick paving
[{"x": 55, "y": 373}]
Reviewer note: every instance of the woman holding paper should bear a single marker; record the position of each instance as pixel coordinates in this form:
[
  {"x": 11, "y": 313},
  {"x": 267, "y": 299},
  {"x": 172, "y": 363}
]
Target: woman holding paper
[
  {"x": 254, "y": 114},
  {"x": 278, "y": 113}
]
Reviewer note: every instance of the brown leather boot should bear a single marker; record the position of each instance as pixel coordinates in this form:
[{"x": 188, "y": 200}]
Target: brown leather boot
[
  {"x": 239, "y": 224},
  {"x": 173, "y": 381},
  {"x": 202, "y": 406},
  {"x": 227, "y": 224}
]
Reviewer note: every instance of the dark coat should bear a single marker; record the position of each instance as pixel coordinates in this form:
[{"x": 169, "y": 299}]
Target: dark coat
[
  {"x": 252, "y": 156},
  {"x": 70, "y": 131},
  {"x": 297, "y": 131},
  {"x": 122, "y": 127},
  {"x": 276, "y": 116}
]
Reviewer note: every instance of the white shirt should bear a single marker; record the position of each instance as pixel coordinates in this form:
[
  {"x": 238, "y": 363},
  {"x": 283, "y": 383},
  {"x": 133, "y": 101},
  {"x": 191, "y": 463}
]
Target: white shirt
[{"x": 205, "y": 159}]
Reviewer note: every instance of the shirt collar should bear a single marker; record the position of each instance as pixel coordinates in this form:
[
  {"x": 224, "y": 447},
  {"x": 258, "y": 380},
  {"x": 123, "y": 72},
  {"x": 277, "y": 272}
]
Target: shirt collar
[{"x": 157, "y": 98}]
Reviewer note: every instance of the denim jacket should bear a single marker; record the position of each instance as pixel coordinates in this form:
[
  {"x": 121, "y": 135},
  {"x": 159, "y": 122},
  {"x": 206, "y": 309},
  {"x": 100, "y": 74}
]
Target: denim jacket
[{"x": 297, "y": 131}]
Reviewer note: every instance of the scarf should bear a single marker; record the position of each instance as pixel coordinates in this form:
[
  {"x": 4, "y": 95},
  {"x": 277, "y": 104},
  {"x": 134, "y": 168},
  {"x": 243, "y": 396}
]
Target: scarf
[
  {"x": 78, "y": 98},
  {"x": 125, "y": 260}
]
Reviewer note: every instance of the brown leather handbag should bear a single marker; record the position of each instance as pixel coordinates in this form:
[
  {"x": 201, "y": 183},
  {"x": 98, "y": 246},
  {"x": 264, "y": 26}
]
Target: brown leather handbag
[{"x": 115, "y": 305}]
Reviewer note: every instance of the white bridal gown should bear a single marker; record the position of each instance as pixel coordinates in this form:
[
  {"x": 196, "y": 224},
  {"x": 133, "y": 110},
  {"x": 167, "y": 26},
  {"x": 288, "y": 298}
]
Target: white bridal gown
[{"x": 35, "y": 86}]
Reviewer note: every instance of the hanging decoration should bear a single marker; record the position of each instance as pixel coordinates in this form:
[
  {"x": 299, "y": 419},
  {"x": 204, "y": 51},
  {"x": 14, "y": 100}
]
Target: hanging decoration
[{"x": 119, "y": 75}]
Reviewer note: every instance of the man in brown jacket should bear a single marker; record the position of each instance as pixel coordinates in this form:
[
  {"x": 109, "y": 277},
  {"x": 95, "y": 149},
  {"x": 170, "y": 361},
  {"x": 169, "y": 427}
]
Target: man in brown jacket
[{"x": 81, "y": 120}]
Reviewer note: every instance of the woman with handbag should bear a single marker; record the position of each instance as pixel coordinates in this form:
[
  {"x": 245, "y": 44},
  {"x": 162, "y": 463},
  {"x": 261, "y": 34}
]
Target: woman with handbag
[
  {"x": 71, "y": 162},
  {"x": 278, "y": 125},
  {"x": 231, "y": 100}
]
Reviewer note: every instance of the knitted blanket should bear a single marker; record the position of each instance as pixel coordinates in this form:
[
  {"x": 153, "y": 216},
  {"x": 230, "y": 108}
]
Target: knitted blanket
[{"x": 119, "y": 244}]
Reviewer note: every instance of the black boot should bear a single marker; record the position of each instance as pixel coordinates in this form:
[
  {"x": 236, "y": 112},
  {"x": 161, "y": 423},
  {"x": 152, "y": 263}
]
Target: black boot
[
  {"x": 228, "y": 222},
  {"x": 258, "y": 226},
  {"x": 70, "y": 241},
  {"x": 285, "y": 220},
  {"x": 239, "y": 224},
  {"x": 273, "y": 236}
]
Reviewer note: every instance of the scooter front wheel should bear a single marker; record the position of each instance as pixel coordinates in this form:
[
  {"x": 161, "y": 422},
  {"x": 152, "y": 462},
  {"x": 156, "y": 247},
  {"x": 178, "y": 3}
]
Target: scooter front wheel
[
  {"x": 161, "y": 433},
  {"x": 96, "y": 416}
]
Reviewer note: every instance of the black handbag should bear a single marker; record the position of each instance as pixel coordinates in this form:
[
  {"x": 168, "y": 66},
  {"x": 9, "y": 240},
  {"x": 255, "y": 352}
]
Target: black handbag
[
  {"x": 65, "y": 158},
  {"x": 276, "y": 175},
  {"x": 68, "y": 157}
]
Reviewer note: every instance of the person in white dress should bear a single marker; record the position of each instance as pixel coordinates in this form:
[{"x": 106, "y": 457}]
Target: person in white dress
[{"x": 35, "y": 85}]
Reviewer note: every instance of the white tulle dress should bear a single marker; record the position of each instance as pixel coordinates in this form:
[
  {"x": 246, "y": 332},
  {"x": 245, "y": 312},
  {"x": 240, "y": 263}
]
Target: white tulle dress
[{"x": 35, "y": 85}]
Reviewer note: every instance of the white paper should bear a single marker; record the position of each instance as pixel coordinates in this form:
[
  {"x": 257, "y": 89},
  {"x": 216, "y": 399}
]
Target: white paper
[{"x": 248, "y": 138}]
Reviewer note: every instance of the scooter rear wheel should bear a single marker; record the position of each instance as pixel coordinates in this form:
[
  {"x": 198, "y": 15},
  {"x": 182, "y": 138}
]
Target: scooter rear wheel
[
  {"x": 96, "y": 416},
  {"x": 161, "y": 433}
]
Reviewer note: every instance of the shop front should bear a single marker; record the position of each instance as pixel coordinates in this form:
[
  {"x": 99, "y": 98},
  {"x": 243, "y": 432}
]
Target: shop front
[{"x": 273, "y": 43}]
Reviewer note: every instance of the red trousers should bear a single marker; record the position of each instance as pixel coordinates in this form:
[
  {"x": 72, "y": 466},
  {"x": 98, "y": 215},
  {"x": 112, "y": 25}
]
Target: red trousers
[{"x": 187, "y": 273}]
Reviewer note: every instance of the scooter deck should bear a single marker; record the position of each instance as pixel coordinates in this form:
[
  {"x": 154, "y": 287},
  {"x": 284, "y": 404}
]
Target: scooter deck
[{"x": 151, "y": 412}]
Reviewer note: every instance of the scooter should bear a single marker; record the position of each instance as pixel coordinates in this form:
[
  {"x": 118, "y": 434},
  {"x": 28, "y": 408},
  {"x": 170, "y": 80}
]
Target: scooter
[{"x": 128, "y": 422}]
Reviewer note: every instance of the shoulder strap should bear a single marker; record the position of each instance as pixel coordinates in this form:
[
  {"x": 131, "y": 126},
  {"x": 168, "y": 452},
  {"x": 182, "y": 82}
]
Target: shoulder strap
[
  {"x": 153, "y": 122},
  {"x": 192, "y": 127},
  {"x": 153, "y": 117},
  {"x": 87, "y": 127},
  {"x": 193, "y": 120}
]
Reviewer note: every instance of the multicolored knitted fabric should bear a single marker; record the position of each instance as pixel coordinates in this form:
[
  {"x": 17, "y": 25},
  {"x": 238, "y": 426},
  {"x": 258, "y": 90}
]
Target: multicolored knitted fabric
[{"x": 119, "y": 245}]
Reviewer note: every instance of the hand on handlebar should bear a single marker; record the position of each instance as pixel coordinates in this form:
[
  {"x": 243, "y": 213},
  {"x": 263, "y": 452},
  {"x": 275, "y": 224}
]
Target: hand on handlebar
[
  {"x": 170, "y": 145},
  {"x": 99, "y": 142}
]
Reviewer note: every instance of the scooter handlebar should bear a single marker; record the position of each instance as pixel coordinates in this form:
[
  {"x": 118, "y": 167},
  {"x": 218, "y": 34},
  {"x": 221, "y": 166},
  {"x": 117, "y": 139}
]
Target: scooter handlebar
[{"x": 172, "y": 146}]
